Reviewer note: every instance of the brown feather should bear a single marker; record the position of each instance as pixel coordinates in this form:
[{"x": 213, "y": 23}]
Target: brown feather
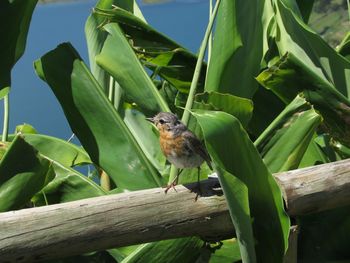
[{"x": 197, "y": 146}]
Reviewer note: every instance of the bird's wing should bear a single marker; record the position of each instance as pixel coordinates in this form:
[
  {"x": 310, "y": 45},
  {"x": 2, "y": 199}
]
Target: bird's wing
[{"x": 194, "y": 144}]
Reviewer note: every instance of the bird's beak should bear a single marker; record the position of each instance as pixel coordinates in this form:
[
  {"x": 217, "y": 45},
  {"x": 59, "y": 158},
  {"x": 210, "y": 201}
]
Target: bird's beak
[{"x": 150, "y": 119}]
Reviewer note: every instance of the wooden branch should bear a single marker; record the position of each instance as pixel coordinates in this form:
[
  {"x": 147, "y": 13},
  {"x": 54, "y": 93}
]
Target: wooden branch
[
  {"x": 99, "y": 223},
  {"x": 317, "y": 188}
]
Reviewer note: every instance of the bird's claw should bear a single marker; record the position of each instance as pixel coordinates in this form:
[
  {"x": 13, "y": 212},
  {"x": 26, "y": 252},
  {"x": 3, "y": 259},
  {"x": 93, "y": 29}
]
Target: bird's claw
[
  {"x": 197, "y": 189},
  {"x": 172, "y": 185}
]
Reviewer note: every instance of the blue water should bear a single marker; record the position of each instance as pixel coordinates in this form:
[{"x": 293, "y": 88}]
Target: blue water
[{"x": 31, "y": 100}]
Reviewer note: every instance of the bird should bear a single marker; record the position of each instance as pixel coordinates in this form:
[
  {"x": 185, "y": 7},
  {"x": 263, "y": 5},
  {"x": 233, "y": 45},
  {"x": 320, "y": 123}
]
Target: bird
[{"x": 180, "y": 146}]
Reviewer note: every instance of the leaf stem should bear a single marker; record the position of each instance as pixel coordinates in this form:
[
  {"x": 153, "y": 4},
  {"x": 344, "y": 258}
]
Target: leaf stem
[
  {"x": 6, "y": 118},
  {"x": 111, "y": 89},
  {"x": 196, "y": 74},
  {"x": 210, "y": 43},
  {"x": 197, "y": 70}
]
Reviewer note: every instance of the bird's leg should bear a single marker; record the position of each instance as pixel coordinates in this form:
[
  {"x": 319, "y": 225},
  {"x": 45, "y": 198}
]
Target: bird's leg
[
  {"x": 199, "y": 191},
  {"x": 174, "y": 182}
]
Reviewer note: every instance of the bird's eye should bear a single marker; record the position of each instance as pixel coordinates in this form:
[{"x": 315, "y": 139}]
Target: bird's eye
[{"x": 161, "y": 121}]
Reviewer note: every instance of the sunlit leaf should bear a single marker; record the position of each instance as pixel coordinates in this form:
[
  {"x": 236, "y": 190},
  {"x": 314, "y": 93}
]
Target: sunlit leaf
[
  {"x": 176, "y": 250},
  {"x": 68, "y": 185},
  {"x": 119, "y": 60},
  {"x": 15, "y": 16},
  {"x": 237, "y": 48},
  {"x": 283, "y": 144},
  {"x": 158, "y": 52},
  {"x": 290, "y": 76},
  {"x": 241, "y": 108},
  {"x": 95, "y": 121},
  {"x": 23, "y": 172},
  {"x": 244, "y": 176},
  {"x": 297, "y": 38}
]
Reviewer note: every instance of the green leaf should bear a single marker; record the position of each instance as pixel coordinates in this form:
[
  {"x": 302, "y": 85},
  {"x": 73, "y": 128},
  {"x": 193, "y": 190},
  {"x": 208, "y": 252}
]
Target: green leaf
[
  {"x": 144, "y": 135},
  {"x": 25, "y": 128},
  {"x": 228, "y": 252},
  {"x": 313, "y": 155},
  {"x": 68, "y": 185},
  {"x": 22, "y": 174},
  {"x": 3, "y": 148},
  {"x": 95, "y": 37},
  {"x": 15, "y": 16},
  {"x": 66, "y": 153},
  {"x": 237, "y": 48},
  {"x": 344, "y": 47},
  {"x": 119, "y": 60},
  {"x": 290, "y": 76},
  {"x": 242, "y": 172},
  {"x": 241, "y": 108},
  {"x": 297, "y": 38},
  {"x": 158, "y": 52},
  {"x": 174, "y": 250},
  {"x": 283, "y": 144},
  {"x": 266, "y": 108},
  {"x": 305, "y": 8},
  {"x": 95, "y": 121}
]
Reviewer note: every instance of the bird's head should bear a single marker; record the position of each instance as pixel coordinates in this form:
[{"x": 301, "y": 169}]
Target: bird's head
[{"x": 167, "y": 121}]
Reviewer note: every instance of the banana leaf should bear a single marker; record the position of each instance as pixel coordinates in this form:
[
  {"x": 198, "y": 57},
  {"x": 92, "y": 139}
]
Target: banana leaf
[
  {"x": 23, "y": 172},
  {"x": 228, "y": 252},
  {"x": 119, "y": 60},
  {"x": 15, "y": 16},
  {"x": 174, "y": 250},
  {"x": 94, "y": 120},
  {"x": 237, "y": 48},
  {"x": 290, "y": 76},
  {"x": 313, "y": 155},
  {"x": 267, "y": 106},
  {"x": 283, "y": 144},
  {"x": 241, "y": 108},
  {"x": 95, "y": 37},
  {"x": 344, "y": 47},
  {"x": 297, "y": 38},
  {"x": 145, "y": 136},
  {"x": 25, "y": 128},
  {"x": 158, "y": 52},
  {"x": 305, "y": 8},
  {"x": 249, "y": 188},
  {"x": 68, "y": 185},
  {"x": 66, "y": 153}
]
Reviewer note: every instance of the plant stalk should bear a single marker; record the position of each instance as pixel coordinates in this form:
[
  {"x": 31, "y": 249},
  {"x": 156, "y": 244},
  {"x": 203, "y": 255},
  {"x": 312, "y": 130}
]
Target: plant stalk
[
  {"x": 210, "y": 43},
  {"x": 196, "y": 74},
  {"x": 197, "y": 70},
  {"x": 5, "y": 130},
  {"x": 111, "y": 89}
]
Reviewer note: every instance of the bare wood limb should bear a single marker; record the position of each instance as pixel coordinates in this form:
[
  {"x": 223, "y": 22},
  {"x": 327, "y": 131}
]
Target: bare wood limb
[
  {"x": 137, "y": 217},
  {"x": 317, "y": 188}
]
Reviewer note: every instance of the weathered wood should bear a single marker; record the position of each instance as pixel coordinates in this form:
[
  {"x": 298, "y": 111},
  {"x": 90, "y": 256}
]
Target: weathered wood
[
  {"x": 316, "y": 188},
  {"x": 72, "y": 228}
]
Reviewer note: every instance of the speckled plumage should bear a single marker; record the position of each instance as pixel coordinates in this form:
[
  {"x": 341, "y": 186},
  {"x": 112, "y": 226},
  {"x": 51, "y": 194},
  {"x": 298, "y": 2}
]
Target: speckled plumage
[{"x": 179, "y": 145}]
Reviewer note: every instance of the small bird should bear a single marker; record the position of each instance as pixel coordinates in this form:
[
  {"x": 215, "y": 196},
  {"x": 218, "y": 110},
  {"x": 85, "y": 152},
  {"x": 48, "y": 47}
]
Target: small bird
[{"x": 179, "y": 145}]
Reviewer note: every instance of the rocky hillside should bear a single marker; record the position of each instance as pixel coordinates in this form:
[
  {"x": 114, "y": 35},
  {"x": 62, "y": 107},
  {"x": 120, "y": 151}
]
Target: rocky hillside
[{"x": 330, "y": 18}]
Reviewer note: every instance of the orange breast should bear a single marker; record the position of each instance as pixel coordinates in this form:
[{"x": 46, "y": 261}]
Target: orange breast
[{"x": 171, "y": 145}]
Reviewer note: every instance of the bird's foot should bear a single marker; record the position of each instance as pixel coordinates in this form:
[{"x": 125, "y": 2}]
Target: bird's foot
[
  {"x": 197, "y": 189},
  {"x": 172, "y": 185}
]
